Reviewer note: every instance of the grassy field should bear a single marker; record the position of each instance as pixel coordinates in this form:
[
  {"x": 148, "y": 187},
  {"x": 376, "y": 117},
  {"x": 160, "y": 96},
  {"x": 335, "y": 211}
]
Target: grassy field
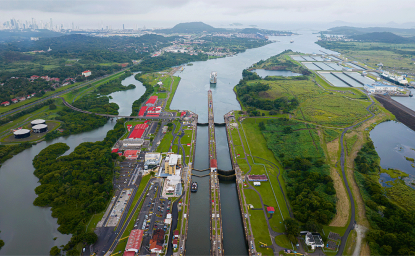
[
  {"x": 174, "y": 88},
  {"x": 332, "y": 110}
]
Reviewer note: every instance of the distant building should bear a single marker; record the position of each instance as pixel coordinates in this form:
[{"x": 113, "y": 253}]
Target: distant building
[
  {"x": 131, "y": 154},
  {"x": 34, "y": 77},
  {"x": 6, "y": 103},
  {"x": 257, "y": 178},
  {"x": 15, "y": 100},
  {"x": 86, "y": 73},
  {"x": 380, "y": 88},
  {"x": 132, "y": 143}
]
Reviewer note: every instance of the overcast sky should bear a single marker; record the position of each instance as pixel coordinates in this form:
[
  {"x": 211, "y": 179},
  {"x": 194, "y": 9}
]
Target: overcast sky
[{"x": 166, "y": 13}]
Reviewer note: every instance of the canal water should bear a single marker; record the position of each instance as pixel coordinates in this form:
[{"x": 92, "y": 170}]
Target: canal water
[
  {"x": 27, "y": 229},
  {"x": 192, "y": 95}
]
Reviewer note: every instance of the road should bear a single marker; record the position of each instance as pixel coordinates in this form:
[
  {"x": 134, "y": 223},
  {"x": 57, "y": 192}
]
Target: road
[{"x": 56, "y": 94}]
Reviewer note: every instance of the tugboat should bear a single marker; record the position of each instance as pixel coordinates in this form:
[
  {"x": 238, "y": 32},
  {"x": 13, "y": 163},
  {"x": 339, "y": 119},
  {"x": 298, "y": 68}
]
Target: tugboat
[{"x": 194, "y": 187}]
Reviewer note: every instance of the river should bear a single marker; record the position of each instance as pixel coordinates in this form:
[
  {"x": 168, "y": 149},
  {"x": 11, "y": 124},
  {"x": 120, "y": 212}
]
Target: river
[
  {"x": 192, "y": 95},
  {"x": 27, "y": 229}
]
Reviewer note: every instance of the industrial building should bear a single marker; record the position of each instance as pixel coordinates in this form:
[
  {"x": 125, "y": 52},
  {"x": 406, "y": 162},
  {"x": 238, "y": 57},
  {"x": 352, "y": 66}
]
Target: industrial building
[
  {"x": 257, "y": 178},
  {"x": 21, "y": 133},
  {"x": 134, "y": 242},
  {"x": 132, "y": 143},
  {"x": 138, "y": 131},
  {"x": 37, "y": 121},
  {"x": 86, "y": 73},
  {"x": 171, "y": 163},
  {"x": 131, "y": 154},
  {"x": 152, "y": 159},
  {"x": 381, "y": 88},
  {"x": 40, "y": 128},
  {"x": 152, "y": 101}
]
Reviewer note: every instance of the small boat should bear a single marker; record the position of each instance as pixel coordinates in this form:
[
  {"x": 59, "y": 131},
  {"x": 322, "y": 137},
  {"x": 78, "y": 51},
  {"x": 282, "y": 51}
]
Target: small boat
[
  {"x": 292, "y": 41},
  {"x": 194, "y": 187}
]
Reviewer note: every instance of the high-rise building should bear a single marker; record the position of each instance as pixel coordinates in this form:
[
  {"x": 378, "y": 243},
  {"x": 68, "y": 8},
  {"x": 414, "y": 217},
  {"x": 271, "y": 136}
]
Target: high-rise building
[{"x": 122, "y": 26}]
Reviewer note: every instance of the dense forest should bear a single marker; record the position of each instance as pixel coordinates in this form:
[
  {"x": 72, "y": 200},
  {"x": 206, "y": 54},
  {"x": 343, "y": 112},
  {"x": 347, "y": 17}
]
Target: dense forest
[
  {"x": 230, "y": 44},
  {"x": 167, "y": 60},
  {"x": 248, "y": 95},
  {"x": 392, "y": 229},
  {"x": 8, "y": 151},
  {"x": 74, "y": 122},
  {"x": 78, "y": 185},
  {"x": 310, "y": 188},
  {"x": 383, "y": 37}
]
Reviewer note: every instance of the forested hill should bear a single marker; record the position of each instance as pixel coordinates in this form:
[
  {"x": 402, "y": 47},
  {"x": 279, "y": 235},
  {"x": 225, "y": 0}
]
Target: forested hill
[
  {"x": 383, "y": 37},
  {"x": 190, "y": 27},
  {"x": 351, "y": 31}
]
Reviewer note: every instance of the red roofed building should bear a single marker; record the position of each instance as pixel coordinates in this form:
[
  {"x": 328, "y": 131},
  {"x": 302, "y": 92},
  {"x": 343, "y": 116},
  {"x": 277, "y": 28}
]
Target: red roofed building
[
  {"x": 213, "y": 164},
  {"x": 22, "y": 98},
  {"x": 176, "y": 234},
  {"x": 15, "y": 100},
  {"x": 34, "y": 77},
  {"x": 270, "y": 209},
  {"x": 134, "y": 240},
  {"x": 55, "y": 79},
  {"x": 86, "y": 73},
  {"x": 175, "y": 243},
  {"x": 142, "y": 111},
  {"x": 183, "y": 113},
  {"x": 156, "y": 243},
  {"x": 129, "y": 253},
  {"x": 129, "y": 127},
  {"x": 138, "y": 131},
  {"x": 6, "y": 103},
  {"x": 152, "y": 101},
  {"x": 45, "y": 78},
  {"x": 115, "y": 150},
  {"x": 131, "y": 154}
]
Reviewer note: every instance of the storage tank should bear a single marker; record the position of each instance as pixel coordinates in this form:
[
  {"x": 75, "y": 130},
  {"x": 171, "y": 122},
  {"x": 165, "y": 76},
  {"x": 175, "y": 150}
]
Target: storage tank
[
  {"x": 40, "y": 128},
  {"x": 38, "y": 121},
  {"x": 21, "y": 133}
]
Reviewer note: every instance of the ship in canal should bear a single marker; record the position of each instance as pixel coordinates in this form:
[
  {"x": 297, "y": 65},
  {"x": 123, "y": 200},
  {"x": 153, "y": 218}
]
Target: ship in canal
[
  {"x": 194, "y": 186},
  {"x": 213, "y": 77},
  {"x": 292, "y": 41}
]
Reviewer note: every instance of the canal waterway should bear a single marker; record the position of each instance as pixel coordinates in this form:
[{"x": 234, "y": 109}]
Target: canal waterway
[
  {"x": 27, "y": 229},
  {"x": 192, "y": 95}
]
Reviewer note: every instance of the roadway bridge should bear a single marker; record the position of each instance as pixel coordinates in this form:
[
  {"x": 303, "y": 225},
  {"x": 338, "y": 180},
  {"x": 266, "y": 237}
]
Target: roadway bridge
[
  {"x": 216, "y": 124},
  {"x": 115, "y": 116}
]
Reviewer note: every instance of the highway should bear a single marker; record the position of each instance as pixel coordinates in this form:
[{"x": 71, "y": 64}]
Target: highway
[{"x": 56, "y": 94}]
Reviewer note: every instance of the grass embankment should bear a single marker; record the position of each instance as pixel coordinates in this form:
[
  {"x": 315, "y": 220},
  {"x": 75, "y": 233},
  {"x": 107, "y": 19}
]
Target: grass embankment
[
  {"x": 257, "y": 144},
  {"x": 124, "y": 237}
]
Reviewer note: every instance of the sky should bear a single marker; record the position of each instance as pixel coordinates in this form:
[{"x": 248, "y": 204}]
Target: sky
[{"x": 167, "y": 13}]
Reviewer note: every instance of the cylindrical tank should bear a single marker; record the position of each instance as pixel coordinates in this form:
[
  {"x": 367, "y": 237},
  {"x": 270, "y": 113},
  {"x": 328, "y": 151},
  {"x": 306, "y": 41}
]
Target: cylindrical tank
[{"x": 21, "y": 133}]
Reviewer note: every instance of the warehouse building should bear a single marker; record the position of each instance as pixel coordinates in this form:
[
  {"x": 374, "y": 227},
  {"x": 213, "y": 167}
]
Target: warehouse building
[
  {"x": 152, "y": 101},
  {"x": 138, "y": 131},
  {"x": 21, "y": 133},
  {"x": 257, "y": 178},
  {"x": 134, "y": 242}
]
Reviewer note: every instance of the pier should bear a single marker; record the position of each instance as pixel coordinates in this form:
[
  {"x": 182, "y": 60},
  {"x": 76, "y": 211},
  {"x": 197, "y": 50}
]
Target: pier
[{"x": 216, "y": 234}]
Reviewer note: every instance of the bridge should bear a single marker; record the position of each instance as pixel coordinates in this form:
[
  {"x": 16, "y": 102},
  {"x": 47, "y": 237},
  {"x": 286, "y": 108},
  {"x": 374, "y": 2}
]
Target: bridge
[
  {"x": 116, "y": 116},
  {"x": 216, "y": 234}
]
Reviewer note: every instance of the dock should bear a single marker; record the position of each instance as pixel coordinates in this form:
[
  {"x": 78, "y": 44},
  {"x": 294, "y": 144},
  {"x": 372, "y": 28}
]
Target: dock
[{"x": 216, "y": 234}]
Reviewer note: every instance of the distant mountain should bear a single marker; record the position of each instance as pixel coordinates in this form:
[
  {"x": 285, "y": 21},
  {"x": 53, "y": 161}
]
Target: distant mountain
[
  {"x": 190, "y": 27},
  {"x": 351, "y": 31},
  {"x": 383, "y": 37}
]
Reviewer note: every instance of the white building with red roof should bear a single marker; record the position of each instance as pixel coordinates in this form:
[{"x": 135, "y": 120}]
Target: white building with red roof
[
  {"x": 15, "y": 100},
  {"x": 6, "y": 103},
  {"x": 86, "y": 73}
]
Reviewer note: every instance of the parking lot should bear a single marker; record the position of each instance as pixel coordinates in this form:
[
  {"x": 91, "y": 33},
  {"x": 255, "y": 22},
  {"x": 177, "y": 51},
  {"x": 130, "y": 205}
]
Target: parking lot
[{"x": 119, "y": 208}]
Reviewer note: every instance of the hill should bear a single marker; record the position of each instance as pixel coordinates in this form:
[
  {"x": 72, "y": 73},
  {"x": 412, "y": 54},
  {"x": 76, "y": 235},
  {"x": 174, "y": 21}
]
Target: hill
[
  {"x": 190, "y": 27},
  {"x": 8, "y": 36},
  {"x": 351, "y": 31},
  {"x": 383, "y": 37}
]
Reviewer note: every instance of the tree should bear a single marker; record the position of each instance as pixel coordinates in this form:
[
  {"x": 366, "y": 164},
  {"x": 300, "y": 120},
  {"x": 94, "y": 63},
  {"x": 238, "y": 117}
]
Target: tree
[
  {"x": 261, "y": 126},
  {"x": 52, "y": 106},
  {"x": 292, "y": 228},
  {"x": 90, "y": 238},
  {"x": 287, "y": 130},
  {"x": 55, "y": 251}
]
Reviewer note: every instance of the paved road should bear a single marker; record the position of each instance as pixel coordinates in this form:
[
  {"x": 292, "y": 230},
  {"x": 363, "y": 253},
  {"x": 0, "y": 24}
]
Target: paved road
[
  {"x": 56, "y": 94},
  {"x": 342, "y": 160}
]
